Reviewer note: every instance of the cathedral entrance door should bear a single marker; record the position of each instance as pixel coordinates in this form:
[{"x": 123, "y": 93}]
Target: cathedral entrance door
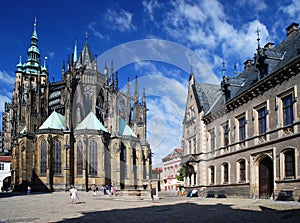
[{"x": 266, "y": 180}]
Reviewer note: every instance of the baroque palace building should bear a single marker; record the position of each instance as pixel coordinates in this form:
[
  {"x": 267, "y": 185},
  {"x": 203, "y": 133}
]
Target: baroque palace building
[
  {"x": 242, "y": 138},
  {"x": 80, "y": 131}
]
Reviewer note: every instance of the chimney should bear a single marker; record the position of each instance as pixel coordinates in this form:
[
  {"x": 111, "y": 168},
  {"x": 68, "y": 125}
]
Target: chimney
[
  {"x": 247, "y": 64},
  {"x": 292, "y": 28},
  {"x": 269, "y": 45}
]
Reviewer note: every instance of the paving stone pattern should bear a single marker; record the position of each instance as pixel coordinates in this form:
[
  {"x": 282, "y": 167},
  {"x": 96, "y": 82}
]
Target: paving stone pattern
[{"x": 57, "y": 207}]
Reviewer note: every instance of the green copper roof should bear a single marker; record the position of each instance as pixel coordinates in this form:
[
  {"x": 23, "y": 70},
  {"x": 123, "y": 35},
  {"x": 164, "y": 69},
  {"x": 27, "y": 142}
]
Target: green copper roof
[
  {"x": 124, "y": 128},
  {"x": 54, "y": 121},
  {"x": 91, "y": 122}
]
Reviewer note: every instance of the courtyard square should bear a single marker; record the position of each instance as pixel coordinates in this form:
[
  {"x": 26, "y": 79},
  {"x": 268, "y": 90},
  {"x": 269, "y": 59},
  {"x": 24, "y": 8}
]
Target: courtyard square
[{"x": 57, "y": 207}]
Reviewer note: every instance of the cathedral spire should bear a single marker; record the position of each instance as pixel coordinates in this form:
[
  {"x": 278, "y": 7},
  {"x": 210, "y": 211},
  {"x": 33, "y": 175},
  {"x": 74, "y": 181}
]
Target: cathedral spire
[
  {"x": 117, "y": 81},
  {"x": 33, "y": 53},
  {"x": 34, "y": 34},
  {"x": 128, "y": 86},
  {"x": 223, "y": 68},
  {"x": 106, "y": 73},
  {"x": 136, "y": 92},
  {"x": 258, "y": 38},
  {"x": 144, "y": 97},
  {"x": 112, "y": 76},
  {"x": 86, "y": 37},
  {"x": 75, "y": 52},
  {"x": 192, "y": 77},
  {"x": 19, "y": 65}
]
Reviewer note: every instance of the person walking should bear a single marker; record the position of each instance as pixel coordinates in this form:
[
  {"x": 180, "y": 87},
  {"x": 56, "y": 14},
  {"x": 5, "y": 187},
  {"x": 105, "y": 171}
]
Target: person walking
[{"x": 73, "y": 193}]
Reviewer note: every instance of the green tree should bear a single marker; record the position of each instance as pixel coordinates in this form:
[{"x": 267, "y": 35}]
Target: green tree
[{"x": 180, "y": 177}]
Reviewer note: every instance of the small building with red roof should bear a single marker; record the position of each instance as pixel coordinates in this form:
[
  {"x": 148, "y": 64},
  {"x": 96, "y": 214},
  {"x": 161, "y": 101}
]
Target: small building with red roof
[{"x": 171, "y": 167}]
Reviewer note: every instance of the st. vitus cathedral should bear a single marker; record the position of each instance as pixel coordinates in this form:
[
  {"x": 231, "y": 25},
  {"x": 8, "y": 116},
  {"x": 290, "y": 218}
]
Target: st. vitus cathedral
[{"x": 80, "y": 131}]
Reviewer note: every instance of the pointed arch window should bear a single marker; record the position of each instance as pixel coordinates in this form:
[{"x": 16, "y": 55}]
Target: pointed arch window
[
  {"x": 93, "y": 159},
  {"x": 43, "y": 153},
  {"x": 79, "y": 158},
  {"x": 57, "y": 157}
]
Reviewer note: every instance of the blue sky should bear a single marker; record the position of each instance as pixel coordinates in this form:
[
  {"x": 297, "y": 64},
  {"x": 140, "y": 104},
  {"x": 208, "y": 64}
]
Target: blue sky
[{"x": 159, "y": 40}]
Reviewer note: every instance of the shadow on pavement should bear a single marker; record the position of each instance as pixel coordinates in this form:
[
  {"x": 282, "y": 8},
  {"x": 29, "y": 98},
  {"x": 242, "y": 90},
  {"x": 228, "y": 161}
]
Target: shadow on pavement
[
  {"x": 13, "y": 194},
  {"x": 189, "y": 212}
]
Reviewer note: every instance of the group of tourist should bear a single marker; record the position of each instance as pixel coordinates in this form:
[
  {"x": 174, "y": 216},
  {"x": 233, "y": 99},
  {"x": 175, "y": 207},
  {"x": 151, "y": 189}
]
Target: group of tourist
[{"x": 105, "y": 190}]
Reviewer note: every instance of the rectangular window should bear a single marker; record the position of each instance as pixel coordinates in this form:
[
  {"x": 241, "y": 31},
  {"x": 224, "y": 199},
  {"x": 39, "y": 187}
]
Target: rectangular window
[
  {"x": 242, "y": 128},
  {"x": 195, "y": 146},
  {"x": 242, "y": 171},
  {"x": 226, "y": 173},
  {"x": 226, "y": 134},
  {"x": 262, "y": 120},
  {"x": 212, "y": 175},
  {"x": 289, "y": 164},
  {"x": 190, "y": 146},
  {"x": 212, "y": 140},
  {"x": 288, "y": 112},
  {"x": 1, "y": 166}
]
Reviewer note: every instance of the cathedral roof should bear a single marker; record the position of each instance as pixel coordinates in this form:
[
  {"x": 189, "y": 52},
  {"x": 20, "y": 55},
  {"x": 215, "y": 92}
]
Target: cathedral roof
[
  {"x": 54, "y": 121},
  {"x": 91, "y": 122},
  {"x": 86, "y": 58},
  {"x": 124, "y": 128}
]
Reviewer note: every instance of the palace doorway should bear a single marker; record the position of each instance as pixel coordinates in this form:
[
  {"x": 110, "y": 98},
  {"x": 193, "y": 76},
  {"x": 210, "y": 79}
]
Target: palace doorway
[{"x": 266, "y": 179}]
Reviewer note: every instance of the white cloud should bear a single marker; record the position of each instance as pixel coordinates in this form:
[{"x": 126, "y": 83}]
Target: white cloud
[
  {"x": 51, "y": 55},
  {"x": 166, "y": 98},
  {"x": 257, "y": 5},
  {"x": 120, "y": 21},
  {"x": 6, "y": 78},
  {"x": 96, "y": 33},
  {"x": 150, "y": 7},
  {"x": 292, "y": 10},
  {"x": 204, "y": 26}
]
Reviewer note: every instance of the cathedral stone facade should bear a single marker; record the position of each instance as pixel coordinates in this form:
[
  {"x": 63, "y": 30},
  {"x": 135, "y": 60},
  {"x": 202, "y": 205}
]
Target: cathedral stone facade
[
  {"x": 80, "y": 131},
  {"x": 242, "y": 138}
]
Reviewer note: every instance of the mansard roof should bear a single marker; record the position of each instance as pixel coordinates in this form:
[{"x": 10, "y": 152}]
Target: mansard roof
[
  {"x": 274, "y": 59},
  {"x": 54, "y": 121},
  {"x": 91, "y": 122},
  {"x": 206, "y": 95},
  {"x": 124, "y": 128}
]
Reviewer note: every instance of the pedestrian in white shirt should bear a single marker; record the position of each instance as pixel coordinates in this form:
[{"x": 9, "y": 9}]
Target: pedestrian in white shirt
[{"x": 73, "y": 194}]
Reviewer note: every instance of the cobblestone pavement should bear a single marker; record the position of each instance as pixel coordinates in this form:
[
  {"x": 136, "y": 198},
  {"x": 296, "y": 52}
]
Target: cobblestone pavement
[{"x": 57, "y": 207}]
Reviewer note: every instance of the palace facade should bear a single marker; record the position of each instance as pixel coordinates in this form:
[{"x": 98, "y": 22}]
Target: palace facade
[
  {"x": 80, "y": 131},
  {"x": 242, "y": 138}
]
